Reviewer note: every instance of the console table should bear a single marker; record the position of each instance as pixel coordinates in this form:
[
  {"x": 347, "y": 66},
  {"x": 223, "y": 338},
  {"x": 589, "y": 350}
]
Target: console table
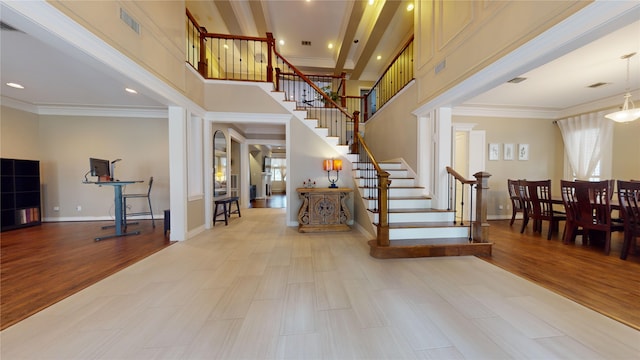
[{"x": 323, "y": 209}]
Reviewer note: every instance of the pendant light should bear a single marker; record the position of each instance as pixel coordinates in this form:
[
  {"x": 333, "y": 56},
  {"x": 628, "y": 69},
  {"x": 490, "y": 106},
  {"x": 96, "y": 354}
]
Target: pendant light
[{"x": 628, "y": 112}]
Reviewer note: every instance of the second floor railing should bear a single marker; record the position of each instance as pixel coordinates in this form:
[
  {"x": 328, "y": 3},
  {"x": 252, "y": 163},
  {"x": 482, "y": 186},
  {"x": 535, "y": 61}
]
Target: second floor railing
[{"x": 397, "y": 75}]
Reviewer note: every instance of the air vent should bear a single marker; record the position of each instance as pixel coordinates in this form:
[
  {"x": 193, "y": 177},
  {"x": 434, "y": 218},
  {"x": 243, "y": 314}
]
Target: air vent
[
  {"x": 5, "y": 26},
  {"x": 597, "y": 85},
  {"x": 305, "y": 43},
  {"x": 129, "y": 21},
  {"x": 517, "y": 80}
]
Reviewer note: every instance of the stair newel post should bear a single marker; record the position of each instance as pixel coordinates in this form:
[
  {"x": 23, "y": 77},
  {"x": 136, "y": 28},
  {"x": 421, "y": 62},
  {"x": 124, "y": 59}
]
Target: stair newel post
[
  {"x": 271, "y": 43},
  {"x": 277, "y": 82},
  {"x": 383, "y": 209},
  {"x": 481, "y": 226},
  {"x": 203, "y": 68},
  {"x": 343, "y": 86},
  {"x": 356, "y": 130}
]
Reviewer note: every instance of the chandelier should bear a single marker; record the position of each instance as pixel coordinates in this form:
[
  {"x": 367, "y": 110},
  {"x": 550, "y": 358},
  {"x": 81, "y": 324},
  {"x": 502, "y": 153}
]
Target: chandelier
[{"x": 628, "y": 112}]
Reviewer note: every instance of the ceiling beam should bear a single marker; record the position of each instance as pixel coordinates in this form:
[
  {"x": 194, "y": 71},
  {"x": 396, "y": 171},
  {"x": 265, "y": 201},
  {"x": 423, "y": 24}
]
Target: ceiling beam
[
  {"x": 228, "y": 16},
  {"x": 382, "y": 23},
  {"x": 258, "y": 17},
  {"x": 352, "y": 27}
]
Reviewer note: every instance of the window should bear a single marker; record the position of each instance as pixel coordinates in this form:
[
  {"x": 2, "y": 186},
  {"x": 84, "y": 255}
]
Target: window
[
  {"x": 279, "y": 168},
  {"x": 588, "y": 145}
]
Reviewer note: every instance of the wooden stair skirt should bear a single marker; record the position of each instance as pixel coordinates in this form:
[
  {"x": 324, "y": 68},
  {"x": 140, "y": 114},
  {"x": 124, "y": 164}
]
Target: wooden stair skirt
[{"x": 418, "y": 248}]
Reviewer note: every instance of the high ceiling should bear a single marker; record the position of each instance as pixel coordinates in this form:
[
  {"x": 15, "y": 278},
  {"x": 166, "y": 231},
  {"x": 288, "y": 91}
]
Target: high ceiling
[
  {"x": 359, "y": 31},
  {"x": 55, "y": 73}
]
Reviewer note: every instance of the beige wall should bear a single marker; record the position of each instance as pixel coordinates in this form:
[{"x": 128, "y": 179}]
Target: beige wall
[
  {"x": 470, "y": 35},
  {"x": 392, "y": 132},
  {"x": 160, "y": 46},
  {"x": 224, "y": 97},
  {"x": 626, "y": 151},
  {"x": 545, "y": 153},
  {"x": 19, "y": 134},
  {"x": 64, "y": 144}
]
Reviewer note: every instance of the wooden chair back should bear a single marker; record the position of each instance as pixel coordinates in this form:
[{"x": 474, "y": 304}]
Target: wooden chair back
[{"x": 629, "y": 198}]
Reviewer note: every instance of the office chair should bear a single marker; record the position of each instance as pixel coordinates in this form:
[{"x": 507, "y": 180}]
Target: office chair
[{"x": 139, "y": 196}]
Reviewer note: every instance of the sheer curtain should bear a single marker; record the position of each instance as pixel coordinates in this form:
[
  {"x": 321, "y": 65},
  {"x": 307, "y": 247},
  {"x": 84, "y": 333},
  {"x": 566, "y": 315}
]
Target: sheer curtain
[{"x": 587, "y": 138}]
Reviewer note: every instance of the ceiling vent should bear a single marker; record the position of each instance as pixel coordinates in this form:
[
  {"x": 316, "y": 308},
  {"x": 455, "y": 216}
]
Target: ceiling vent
[
  {"x": 597, "y": 85},
  {"x": 517, "y": 80},
  {"x": 305, "y": 43},
  {"x": 124, "y": 16}
]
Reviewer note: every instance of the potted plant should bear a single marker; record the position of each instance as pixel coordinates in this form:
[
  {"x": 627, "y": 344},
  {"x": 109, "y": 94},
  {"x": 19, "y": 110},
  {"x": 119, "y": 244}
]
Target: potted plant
[{"x": 331, "y": 94}]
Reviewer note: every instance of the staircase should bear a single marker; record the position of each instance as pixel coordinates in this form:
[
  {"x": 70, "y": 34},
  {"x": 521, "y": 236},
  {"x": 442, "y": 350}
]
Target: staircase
[{"x": 415, "y": 228}]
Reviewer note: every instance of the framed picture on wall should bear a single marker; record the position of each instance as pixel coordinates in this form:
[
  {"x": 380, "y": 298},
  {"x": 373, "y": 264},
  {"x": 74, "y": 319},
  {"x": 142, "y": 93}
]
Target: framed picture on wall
[
  {"x": 523, "y": 151},
  {"x": 507, "y": 152},
  {"x": 494, "y": 151}
]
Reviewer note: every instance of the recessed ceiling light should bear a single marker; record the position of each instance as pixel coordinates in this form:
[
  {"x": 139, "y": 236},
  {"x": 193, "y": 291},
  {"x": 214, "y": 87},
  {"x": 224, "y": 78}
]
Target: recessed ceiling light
[
  {"x": 14, "y": 85},
  {"x": 281, "y": 42},
  {"x": 330, "y": 46},
  {"x": 410, "y": 7},
  {"x": 129, "y": 90},
  {"x": 378, "y": 57},
  {"x": 371, "y": 2}
]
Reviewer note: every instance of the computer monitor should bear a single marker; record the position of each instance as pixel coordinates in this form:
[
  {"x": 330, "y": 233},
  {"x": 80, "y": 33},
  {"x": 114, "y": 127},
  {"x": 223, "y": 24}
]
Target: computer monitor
[{"x": 99, "y": 167}]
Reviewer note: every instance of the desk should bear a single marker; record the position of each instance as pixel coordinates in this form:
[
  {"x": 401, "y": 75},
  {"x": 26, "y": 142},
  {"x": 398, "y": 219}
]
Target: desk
[{"x": 117, "y": 200}]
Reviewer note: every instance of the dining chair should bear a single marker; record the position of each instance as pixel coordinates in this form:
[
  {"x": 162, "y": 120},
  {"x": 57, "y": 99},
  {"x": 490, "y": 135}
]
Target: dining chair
[
  {"x": 146, "y": 196},
  {"x": 588, "y": 208},
  {"x": 536, "y": 197},
  {"x": 629, "y": 198},
  {"x": 516, "y": 201}
]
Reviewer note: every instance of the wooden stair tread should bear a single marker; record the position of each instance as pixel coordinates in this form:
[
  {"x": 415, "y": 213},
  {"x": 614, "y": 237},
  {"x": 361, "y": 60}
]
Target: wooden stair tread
[
  {"x": 411, "y": 211},
  {"x": 425, "y": 224},
  {"x": 421, "y": 197},
  {"x": 430, "y": 241}
]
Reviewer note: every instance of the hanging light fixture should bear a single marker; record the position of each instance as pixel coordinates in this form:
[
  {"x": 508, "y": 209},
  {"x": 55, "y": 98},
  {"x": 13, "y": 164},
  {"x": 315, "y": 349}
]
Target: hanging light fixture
[{"x": 628, "y": 112}]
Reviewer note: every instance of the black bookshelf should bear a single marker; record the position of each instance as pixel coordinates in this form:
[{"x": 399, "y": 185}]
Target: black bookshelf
[{"x": 20, "y": 191}]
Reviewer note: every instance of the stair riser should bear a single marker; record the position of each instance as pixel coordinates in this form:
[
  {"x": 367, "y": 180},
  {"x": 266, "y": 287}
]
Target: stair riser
[
  {"x": 393, "y": 192},
  {"x": 385, "y": 166},
  {"x": 420, "y": 217},
  {"x": 422, "y": 203},
  {"x": 394, "y": 182},
  {"x": 392, "y": 173},
  {"x": 426, "y": 233}
]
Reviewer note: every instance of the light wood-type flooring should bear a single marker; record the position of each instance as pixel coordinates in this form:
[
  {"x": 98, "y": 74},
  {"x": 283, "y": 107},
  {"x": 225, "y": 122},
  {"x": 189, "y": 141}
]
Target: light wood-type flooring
[{"x": 258, "y": 289}]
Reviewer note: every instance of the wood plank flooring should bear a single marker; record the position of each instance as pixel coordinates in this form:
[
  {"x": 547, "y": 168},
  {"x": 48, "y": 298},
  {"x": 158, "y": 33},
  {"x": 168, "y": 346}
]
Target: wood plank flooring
[
  {"x": 44, "y": 264},
  {"x": 257, "y": 289}
]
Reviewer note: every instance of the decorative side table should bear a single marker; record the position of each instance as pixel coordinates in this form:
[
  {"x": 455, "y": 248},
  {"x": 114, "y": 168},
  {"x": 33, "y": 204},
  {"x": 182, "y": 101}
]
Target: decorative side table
[{"x": 323, "y": 209}]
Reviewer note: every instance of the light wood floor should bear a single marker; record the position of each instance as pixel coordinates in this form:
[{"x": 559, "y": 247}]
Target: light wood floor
[{"x": 258, "y": 289}]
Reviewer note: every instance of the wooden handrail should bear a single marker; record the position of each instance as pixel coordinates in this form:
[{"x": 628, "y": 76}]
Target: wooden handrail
[
  {"x": 382, "y": 238},
  {"x": 406, "y": 45},
  {"x": 326, "y": 97},
  {"x": 459, "y": 177}
]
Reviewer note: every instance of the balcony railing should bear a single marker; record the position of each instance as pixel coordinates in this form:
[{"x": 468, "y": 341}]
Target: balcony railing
[{"x": 397, "y": 75}]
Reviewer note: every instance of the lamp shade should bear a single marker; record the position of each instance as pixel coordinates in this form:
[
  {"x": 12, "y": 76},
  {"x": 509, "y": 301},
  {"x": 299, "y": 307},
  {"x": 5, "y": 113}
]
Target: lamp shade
[
  {"x": 337, "y": 164},
  {"x": 627, "y": 114},
  {"x": 327, "y": 165}
]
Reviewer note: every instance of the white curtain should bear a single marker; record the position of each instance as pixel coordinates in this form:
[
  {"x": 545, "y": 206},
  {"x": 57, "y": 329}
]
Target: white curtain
[{"x": 586, "y": 138}]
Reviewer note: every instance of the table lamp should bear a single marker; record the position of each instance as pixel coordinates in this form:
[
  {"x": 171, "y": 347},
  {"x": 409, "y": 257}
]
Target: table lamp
[{"x": 335, "y": 165}]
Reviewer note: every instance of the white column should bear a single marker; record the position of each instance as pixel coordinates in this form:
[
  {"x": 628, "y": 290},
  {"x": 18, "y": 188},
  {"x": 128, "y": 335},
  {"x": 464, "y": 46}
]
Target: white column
[
  {"x": 178, "y": 172},
  {"x": 442, "y": 155}
]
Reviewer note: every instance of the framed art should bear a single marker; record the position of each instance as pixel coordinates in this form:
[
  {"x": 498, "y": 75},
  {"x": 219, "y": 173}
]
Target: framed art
[
  {"x": 494, "y": 151},
  {"x": 523, "y": 151},
  {"x": 507, "y": 152}
]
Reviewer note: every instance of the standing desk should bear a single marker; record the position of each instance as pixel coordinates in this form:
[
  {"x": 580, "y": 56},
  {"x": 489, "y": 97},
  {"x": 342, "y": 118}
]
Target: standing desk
[{"x": 117, "y": 200}]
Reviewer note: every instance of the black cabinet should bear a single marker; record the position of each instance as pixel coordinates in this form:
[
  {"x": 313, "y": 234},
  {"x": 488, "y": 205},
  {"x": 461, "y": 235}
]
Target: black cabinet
[{"x": 20, "y": 192}]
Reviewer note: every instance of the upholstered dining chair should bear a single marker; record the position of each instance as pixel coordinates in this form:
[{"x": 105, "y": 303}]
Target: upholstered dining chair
[
  {"x": 146, "y": 196},
  {"x": 588, "y": 208},
  {"x": 629, "y": 198},
  {"x": 536, "y": 196},
  {"x": 516, "y": 202}
]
